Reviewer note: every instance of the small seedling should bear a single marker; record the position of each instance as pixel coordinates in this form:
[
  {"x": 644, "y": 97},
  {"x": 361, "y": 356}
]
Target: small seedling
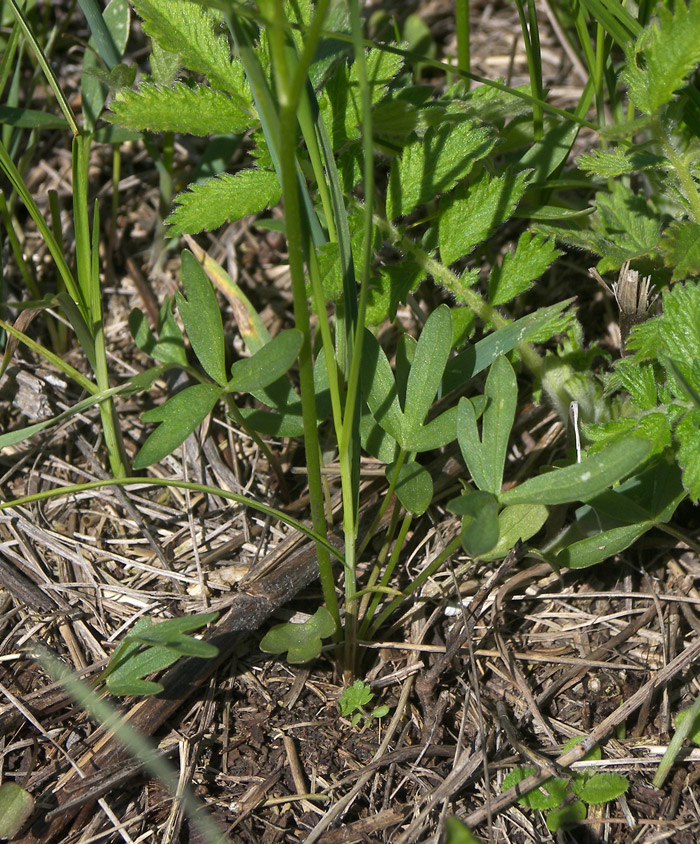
[
  {"x": 151, "y": 647},
  {"x": 565, "y": 802},
  {"x": 354, "y": 699}
]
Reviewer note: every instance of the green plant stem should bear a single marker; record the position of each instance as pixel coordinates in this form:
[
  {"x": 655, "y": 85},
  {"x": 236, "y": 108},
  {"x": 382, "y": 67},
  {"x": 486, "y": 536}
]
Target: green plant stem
[
  {"x": 681, "y": 167},
  {"x": 463, "y": 37},
  {"x": 442, "y": 275},
  {"x": 674, "y": 746},
  {"x": 204, "y": 489},
  {"x": 295, "y": 240},
  {"x": 427, "y": 572},
  {"x": 393, "y": 480}
]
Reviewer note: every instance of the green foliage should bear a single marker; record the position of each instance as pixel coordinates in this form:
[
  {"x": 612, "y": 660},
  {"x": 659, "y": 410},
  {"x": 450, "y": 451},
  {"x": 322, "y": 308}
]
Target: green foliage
[
  {"x": 16, "y": 807},
  {"x": 355, "y": 698},
  {"x": 663, "y": 55},
  {"x": 554, "y": 795},
  {"x": 301, "y": 642},
  {"x": 151, "y": 647}
]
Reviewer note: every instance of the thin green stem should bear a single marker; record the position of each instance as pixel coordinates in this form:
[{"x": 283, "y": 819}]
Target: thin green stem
[{"x": 463, "y": 37}]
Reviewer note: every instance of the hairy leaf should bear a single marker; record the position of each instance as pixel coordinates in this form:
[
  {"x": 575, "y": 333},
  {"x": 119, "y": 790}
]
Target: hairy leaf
[
  {"x": 223, "y": 199},
  {"x": 433, "y": 165},
  {"x": 533, "y": 255},
  {"x": 469, "y": 214},
  {"x": 663, "y": 55},
  {"x": 199, "y": 110}
]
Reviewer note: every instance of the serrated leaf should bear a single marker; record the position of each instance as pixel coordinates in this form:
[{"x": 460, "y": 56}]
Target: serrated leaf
[
  {"x": 603, "y": 787},
  {"x": 414, "y": 488},
  {"x": 193, "y": 32},
  {"x": 197, "y": 110},
  {"x": 680, "y": 248},
  {"x": 433, "y": 165},
  {"x": 688, "y": 435},
  {"x": 390, "y": 290},
  {"x": 202, "y": 318},
  {"x": 267, "y": 365},
  {"x": 581, "y": 481},
  {"x": 302, "y": 642},
  {"x": 618, "y": 162},
  {"x": 353, "y": 697},
  {"x": 223, "y": 199},
  {"x": 16, "y": 807},
  {"x": 664, "y": 54},
  {"x": 469, "y": 214},
  {"x": 547, "y": 796},
  {"x": 533, "y": 255},
  {"x": 179, "y": 417}
]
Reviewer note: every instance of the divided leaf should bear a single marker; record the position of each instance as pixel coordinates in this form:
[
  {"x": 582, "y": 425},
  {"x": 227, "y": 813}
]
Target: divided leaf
[
  {"x": 223, "y": 199},
  {"x": 663, "y": 56},
  {"x": 192, "y": 31},
  {"x": 197, "y": 110},
  {"x": 533, "y": 255},
  {"x": 179, "y": 417},
  {"x": 267, "y": 365}
]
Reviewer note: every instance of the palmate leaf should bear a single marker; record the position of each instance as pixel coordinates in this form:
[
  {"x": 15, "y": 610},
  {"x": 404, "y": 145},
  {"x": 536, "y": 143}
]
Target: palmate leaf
[
  {"x": 663, "y": 56},
  {"x": 191, "y": 30},
  {"x": 433, "y": 164},
  {"x": 223, "y": 199},
  {"x": 199, "y": 110}
]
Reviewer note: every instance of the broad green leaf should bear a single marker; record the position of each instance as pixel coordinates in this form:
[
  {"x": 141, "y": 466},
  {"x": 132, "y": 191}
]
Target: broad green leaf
[
  {"x": 547, "y": 796},
  {"x": 480, "y": 528},
  {"x": 433, "y": 165},
  {"x": 301, "y": 642},
  {"x": 568, "y": 816},
  {"x": 516, "y": 523},
  {"x": 680, "y": 248},
  {"x": 379, "y": 388},
  {"x": 603, "y": 787},
  {"x": 27, "y": 118},
  {"x": 165, "y": 65},
  {"x": 688, "y": 435},
  {"x": 427, "y": 369},
  {"x": 391, "y": 288},
  {"x": 192, "y": 31},
  {"x": 436, "y": 433},
  {"x": 225, "y": 198},
  {"x": 146, "y": 649},
  {"x": 169, "y": 347},
  {"x": 266, "y": 365},
  {"x": 470, "y": 213},
  {"x": 545, "y": 155},
  {"x": 485, "y": 456},
  {"x": 273, "y": 424},
  {"x": 595, "y": 549},
  {"x": 665, "y": 53},
  {"x": 414, "y": 488},
  {"x": 16, "y": 807},
  {"x": 375, "y": 440},
  {"x": 197, "y": 111},
  {"x": 474, "y": 359},
  {"x": 179, "y": 417},
  {"x": 533, "y": 255},
  {"x": 457, "y": 832},
  {"x": 630, "y": 225},
  {"x": 202, "y": 318},
  {"x": 581, "y": 481}
]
